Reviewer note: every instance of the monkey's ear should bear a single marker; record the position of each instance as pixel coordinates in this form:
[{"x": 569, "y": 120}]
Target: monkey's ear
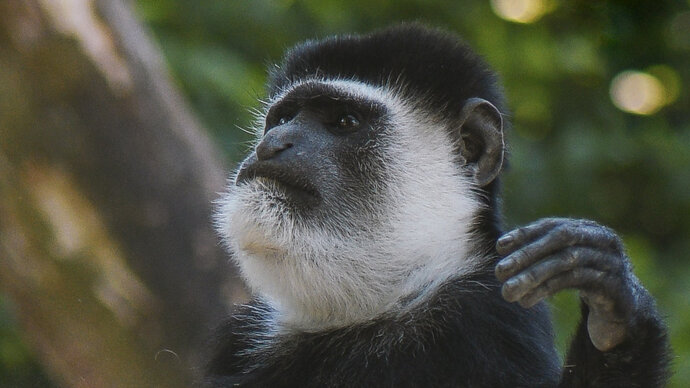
[{"x": 482, "y": 145}]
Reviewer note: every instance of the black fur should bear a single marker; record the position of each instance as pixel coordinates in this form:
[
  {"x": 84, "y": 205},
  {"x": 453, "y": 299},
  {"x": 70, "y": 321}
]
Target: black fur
[
  {"x": 466, "y": 334},
  {"x": 438, "y": 69},
  {"x": 641, "y": 361}
]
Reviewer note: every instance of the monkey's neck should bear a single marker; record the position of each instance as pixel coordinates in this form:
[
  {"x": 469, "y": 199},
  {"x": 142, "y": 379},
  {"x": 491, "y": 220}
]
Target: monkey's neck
[{"x": 314, "y": 293}]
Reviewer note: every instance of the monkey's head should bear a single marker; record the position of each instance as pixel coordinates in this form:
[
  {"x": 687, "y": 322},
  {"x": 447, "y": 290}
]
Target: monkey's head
[{"x": 376, "y": 155}]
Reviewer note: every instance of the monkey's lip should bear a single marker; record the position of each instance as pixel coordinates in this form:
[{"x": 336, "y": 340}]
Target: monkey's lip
[{"x": 294, "y": 185}]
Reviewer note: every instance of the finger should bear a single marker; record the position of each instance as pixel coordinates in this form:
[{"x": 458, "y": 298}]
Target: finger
[
  {"x": 516, "y": 238},
  {"x": 524, "y": 257},
  {"x": 598, "y": 234},
  {"x": 561, "y": 237},
  {"x": 568, "y": 259},
  {"x": 579, "y": 278}
]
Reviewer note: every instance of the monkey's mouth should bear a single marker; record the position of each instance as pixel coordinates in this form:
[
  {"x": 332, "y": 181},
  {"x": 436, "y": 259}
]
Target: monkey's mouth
[{"x": 293, "y": 185}]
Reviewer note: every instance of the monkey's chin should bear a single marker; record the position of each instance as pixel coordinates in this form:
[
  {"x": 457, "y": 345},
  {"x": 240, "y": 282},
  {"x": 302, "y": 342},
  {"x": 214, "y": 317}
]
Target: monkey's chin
[
  {"x": 258, "y": 216},
  {"x": 292, "y": 195}
]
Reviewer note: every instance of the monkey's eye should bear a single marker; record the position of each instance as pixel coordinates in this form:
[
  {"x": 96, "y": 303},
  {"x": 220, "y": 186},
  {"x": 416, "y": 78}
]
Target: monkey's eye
[
  {"x": 348, "y": 122},
  {"x": 284, "y": 120}
]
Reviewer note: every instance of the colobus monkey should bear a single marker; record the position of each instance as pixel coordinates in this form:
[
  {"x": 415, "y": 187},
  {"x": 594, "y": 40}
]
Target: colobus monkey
[{"x": 366, "y": 220}]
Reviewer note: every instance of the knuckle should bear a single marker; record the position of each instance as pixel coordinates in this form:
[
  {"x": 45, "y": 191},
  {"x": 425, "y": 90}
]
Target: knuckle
[
  {"x": 528, "y": 278},
  {"x": 579, "y": 275},
  {"x": 555, "y": 220},
  {"x": 519, "y": 233},
  {"x": 518, "y": 257},
  {"x": 562, "y": 234},
  {"x": 610, "y": 262},
  {"x": 572, "y": 257}
]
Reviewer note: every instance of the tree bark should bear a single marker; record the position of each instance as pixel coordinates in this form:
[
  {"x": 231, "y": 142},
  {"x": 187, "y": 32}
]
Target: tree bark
[{"x": 106, "y": 185}]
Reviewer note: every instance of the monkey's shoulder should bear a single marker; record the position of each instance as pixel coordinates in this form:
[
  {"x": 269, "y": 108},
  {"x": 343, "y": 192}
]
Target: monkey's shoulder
[{"x": 452, "y": 339}]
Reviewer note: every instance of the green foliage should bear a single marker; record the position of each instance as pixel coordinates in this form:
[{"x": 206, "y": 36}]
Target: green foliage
[
  {"x": 17, "y": 367},
  {"x": 573, "y": 152}
]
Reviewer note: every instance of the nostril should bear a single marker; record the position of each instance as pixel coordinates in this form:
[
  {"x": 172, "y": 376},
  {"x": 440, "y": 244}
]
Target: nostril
[{"x": 268, "y": 149}]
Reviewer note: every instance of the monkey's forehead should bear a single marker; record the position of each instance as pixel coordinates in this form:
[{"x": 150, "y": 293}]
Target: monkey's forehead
[
  {"x": 419, "y": 61},
  {"x": 337, "y": 89}
]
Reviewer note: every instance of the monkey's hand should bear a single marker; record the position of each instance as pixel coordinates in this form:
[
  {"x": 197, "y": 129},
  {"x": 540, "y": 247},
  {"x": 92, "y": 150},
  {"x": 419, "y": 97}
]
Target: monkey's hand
[{"x": 556, "y": 253}]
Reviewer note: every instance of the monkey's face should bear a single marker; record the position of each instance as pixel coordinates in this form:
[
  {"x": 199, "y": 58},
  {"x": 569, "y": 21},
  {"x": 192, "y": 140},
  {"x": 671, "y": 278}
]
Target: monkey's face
[
  {"x": 323, "y": 162},
  {"x": 351, "y": 202},
  {"x": 317, "y": 146}
]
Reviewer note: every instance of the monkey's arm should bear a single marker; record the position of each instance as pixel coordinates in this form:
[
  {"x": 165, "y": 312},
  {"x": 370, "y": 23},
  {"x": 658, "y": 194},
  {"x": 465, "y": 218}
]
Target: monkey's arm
[{"x": 621, "y": 340}]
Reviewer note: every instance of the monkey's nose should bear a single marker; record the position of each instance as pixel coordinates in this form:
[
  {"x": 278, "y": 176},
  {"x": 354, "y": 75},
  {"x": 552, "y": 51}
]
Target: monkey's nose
[{"x": 269, "y": 147}]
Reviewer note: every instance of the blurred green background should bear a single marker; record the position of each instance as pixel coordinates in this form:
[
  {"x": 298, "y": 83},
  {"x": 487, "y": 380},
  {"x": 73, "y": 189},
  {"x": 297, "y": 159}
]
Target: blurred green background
[{"x": 599, "y": 102}]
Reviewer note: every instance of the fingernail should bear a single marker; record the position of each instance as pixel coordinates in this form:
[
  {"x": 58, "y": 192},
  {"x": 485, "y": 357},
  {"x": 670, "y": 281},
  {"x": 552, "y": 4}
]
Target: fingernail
[
  {"x": 507, "y": 293},
  {"x": 511, "y": 284},
  {"x": 505, "y": 240},
  {"x": 503, "y": 265}
]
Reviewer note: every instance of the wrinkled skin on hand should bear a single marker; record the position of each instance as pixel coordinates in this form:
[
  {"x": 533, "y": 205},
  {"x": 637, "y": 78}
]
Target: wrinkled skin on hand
[{"x": 557, "y": 253}]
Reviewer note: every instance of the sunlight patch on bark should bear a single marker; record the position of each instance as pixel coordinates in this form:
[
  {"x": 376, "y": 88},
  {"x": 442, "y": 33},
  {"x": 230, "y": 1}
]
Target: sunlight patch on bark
[
  {"x": 81, "y": 235},
  {"x": 78, "y": 18}
]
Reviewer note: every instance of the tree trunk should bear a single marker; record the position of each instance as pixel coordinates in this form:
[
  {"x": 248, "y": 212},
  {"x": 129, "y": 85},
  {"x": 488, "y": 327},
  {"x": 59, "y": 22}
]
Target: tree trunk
[{"x": 106, "y": 184}]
